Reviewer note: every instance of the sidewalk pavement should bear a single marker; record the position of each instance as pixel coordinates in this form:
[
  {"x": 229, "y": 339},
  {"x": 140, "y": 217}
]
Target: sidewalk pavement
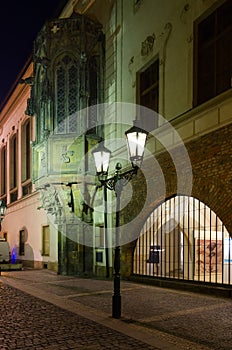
[{"x": 152, "y": 317}]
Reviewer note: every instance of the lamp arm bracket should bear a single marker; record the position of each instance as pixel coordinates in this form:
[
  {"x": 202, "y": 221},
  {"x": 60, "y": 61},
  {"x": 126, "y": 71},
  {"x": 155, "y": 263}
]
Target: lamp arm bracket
[{"x": 120, "y": 179}]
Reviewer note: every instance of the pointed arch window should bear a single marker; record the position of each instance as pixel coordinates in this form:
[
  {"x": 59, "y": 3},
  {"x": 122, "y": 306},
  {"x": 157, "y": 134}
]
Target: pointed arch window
[{"x": 66, "y": 95}]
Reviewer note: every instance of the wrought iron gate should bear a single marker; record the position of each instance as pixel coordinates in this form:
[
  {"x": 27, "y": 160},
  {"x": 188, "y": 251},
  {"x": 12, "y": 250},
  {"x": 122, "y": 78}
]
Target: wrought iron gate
[{"x": 184, "y": 239}]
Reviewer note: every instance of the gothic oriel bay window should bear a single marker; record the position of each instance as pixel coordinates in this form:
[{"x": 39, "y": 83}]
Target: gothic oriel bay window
[
  {"x": 67, "y": 79},
  {"x": 66, "y": 92},
  {"x": 68, "y": 76}
]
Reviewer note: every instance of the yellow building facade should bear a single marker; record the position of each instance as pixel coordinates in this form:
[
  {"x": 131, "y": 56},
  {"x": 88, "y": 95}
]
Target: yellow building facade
[{"x": 163, "y": 63}]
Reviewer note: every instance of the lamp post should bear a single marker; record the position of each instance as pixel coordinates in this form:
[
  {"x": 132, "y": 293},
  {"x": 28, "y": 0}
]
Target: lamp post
[
  {"x": 2, "y": 212},
  {"x": 136, "y": 139}
]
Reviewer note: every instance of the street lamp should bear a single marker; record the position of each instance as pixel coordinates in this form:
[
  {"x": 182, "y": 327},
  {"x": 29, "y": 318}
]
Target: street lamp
[
  {"x": 136, "y": 139},
  {"x": 2, "y": 211}
]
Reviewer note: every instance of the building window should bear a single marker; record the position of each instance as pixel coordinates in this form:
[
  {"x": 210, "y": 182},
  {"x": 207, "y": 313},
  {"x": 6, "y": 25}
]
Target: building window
[
  {"x": 46, "y": 240},
  {"x": 13, "y": 162},
  {"x": 148, "y": 94},
  {"x": 3, "y": 171},
  {"x": 26, "y": 151},
  {"x": 94, "y": 90},
  {"x": 99, "y": 236},
  {"x": 22, "y": 237},
  {"x": 213, "y": 54},
  {"x": 66, "y": 82},
  {"x": 99, "y": 257}
]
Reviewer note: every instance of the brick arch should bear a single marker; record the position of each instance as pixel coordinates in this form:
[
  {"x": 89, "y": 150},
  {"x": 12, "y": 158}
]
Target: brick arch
[
  {"x": 210, "y": 158},
  {"x": 217, "y": 196}
]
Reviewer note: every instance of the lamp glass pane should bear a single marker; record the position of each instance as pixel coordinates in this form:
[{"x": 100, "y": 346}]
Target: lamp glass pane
[
  {"x": 101, "y": 158},
  {"x": 2, "y": 208},
  {"x": 141, "y": 140},
  {"x": 136, "y": 144},
  {"x": 98, "y": 161},
  {"x": 105, "y": 161},
  {"x": 131, "y": 142}
]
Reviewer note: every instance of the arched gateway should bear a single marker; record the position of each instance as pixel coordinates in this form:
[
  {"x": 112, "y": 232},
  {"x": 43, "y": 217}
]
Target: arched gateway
[{"x": 184, "y": 239}]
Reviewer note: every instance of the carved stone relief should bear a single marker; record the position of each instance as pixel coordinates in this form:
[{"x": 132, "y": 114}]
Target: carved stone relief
[
  {"x": 51, "y": 201},
  {"x": 152, "y": 45},
  {"x": 147, "y": 45}
]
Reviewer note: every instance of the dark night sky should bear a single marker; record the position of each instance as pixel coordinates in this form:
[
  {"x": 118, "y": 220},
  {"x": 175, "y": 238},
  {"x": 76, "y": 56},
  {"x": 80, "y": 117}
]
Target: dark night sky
[{"x": 20, "y": 22}]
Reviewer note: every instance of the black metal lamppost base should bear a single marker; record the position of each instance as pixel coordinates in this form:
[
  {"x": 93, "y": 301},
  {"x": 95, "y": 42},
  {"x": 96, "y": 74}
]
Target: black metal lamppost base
[{"x": 116, "y": 306}]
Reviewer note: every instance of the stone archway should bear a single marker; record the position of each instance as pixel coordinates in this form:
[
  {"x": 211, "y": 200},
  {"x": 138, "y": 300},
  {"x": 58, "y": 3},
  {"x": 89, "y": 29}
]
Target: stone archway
[{"x": 204, "y": 254}]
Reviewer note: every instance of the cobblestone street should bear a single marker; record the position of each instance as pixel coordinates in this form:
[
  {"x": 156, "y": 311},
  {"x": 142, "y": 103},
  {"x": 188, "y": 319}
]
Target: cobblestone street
[
  {"x": 30, "y": 323},
  {"x": 63, "y": 312}
]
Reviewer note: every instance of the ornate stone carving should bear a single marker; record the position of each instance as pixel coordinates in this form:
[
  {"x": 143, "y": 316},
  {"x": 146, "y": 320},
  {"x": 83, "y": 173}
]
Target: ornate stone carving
[
  {"x": 137, "y": 4},
  {"x": 154, "y": 44},
  {"x": 43, "y": 159},
  {"x": 65, "y": 157},
  {"x": 147, "y": 45},
  {"x": 51, "y": 201}
]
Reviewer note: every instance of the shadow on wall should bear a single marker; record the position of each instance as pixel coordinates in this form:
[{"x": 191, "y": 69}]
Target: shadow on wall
[
  {"x": 27, "y": 258},
  {"x": 23, "y": 253}
]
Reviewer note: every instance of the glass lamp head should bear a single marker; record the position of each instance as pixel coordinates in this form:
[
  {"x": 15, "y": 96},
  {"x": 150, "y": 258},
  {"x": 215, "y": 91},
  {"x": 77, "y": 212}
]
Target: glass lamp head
[
  {"x": 136, "y": 140},
  {"x": 101, "y": 156},
  {"x": 2, "y": 208}
]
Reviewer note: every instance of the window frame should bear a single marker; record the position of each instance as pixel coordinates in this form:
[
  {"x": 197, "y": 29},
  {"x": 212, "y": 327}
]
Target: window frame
[
  {"x": 148, "y": 122},
  {"x": 3, "y": 170},
  {"x": 67, "y": 91},
  {"x": 26, "y": 151},
  {"x": 22, "y": 240},
  {"x": 46, "y": 241},
  {"x": 13, "y": 161},
  {"x": 200, "y": 97}
]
